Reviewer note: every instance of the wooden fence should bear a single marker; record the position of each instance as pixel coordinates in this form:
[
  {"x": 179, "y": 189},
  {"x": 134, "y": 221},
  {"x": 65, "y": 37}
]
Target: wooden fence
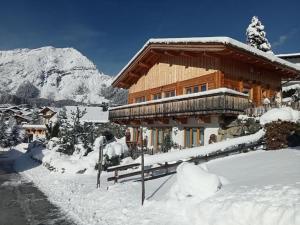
[{"x": 170, "y": 168}]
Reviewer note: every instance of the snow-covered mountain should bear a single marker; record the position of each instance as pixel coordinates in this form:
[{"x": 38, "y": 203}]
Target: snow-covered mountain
[{"x": 59, "y": 73}]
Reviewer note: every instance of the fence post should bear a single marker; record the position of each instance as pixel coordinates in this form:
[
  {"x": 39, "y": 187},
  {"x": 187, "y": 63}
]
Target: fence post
[
  {"x": 142, "y": 173},
  {"x": 100, "y": 160}
]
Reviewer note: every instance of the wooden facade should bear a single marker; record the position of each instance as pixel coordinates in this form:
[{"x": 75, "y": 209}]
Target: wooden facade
[
  {"x": 167, "y": 69},
  {"x": 179, "y": 72}
]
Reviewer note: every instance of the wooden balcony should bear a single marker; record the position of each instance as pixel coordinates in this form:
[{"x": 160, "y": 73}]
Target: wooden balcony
[{"x": 218, "y": 101}]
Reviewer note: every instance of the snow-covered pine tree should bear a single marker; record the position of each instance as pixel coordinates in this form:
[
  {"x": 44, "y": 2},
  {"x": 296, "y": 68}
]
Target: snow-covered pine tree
[
  {"x": 65, "y": 130},
  {"x": 3, "y": 133},
  {"x": 15, "y": 136},
  {"x": 36, "y": 119},
  {"x": 256, "y": 36}
]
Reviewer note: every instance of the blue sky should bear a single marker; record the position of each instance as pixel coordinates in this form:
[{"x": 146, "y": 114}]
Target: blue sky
[{"x": 110, "y": 32}]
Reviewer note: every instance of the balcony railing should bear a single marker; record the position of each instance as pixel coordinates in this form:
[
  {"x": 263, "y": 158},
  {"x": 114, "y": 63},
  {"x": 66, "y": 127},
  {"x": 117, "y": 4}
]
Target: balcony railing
[{"x": 216, "y": 101}]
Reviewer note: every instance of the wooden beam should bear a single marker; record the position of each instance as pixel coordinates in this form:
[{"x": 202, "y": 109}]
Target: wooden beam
[
  {"x": 135, "y": 122},
  {"x": 186, "y": 54},
  {"x": 180, "y": 120},
  {"x": 169, "y": 53},
  {"x": 144, "y": 65},
  {"x": 203, "y": 119},
  {"x": 162, "y": 120},
  {"x": 131, "y": 74},
  {"x": 155, "y": 52}
]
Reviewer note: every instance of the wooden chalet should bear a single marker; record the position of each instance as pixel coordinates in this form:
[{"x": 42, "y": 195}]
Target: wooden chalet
[
  {"x": 47, "y": 113},
  {"x": 185, "y": 87}
]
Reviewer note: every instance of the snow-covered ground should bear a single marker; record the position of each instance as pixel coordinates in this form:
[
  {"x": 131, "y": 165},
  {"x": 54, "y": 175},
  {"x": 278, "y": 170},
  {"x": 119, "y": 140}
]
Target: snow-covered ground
[{"x": 261, "y": 187}]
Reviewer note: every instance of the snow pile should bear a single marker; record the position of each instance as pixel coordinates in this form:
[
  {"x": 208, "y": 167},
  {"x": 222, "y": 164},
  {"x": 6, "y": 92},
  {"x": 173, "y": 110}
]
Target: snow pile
[
  {"x": 284, "y": 114},
  {"x": 59, "y": 73},
  {"x": 200, "y": 151},
  {"x": 112, "y": 149},
  {"x": 291, "y": 87},
  {"x": 76, "y": 163},
  {"x": 194, "y": 181},
  {"x": 63, "y": 163}
]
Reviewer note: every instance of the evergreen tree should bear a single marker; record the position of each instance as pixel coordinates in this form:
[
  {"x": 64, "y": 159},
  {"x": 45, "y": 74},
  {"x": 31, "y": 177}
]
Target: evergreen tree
[
  {"x": 65, "y": 128},
  {"x": 3, "y": 133},
  {"x": 52, "y": 129},
  {"x": 14, "y": 135},
  {"x": 256, "y": 36},
  {"x": 36, "y": 119},
  {"x": 71, "y": 131}
]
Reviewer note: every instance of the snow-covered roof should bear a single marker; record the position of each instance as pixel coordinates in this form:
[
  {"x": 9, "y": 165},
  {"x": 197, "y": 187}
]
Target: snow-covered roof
[
  {"x": 28, "y": 118},
  {"x": 93, "y": 114},
  {"x": 288, "y": 55},
  {"x": 203, "y": 93},
  {"x": 211, "y": 40},
  {"x": 37, "y": 126}
]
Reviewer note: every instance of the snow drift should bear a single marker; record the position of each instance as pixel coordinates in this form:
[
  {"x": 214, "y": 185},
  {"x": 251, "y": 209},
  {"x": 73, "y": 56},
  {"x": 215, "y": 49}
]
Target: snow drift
[
  {"x": 284, "y": 114},
  {"x": 194, "y": 181},
  {"x": 76, "y": 163}
]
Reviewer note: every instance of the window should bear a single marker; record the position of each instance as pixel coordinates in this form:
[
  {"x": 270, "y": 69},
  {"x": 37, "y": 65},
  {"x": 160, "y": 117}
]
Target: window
[
  {"x": 135, "y": 134},
  {"x": 157, "y": 96},
  {"x": 196, "y": 89},
  {"x": 170, "y": 94},
  {"x": 188, "y": 90},
  {"x": 194, "y": 136},
  {"x": 158, "y": 135},
  {"x": 140, "y": 99},
  {"x": 203, "y": 87}
]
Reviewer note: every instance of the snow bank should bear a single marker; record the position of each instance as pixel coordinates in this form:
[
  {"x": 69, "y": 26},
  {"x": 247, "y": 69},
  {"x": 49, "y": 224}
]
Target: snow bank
[
  {"x": 194, "y": 181},
  {"x": 200, "y": 151},
  {"x": 291, "y": 87},
  {"x": 284, "y": 114},
  {"x": 76, "y": 163},
  {"x": 62, "y": 163}
]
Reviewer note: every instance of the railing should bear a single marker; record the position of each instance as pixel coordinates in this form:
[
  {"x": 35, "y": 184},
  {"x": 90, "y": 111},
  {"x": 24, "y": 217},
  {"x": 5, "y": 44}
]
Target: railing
[
  {"x": 154, "y": 172},
  {"x": 187, "y": 105},
  {"x": 260, "y": 110}
]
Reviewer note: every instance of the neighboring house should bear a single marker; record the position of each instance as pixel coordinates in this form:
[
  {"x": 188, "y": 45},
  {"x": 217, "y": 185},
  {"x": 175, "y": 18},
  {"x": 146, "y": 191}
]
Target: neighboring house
[
  {"x": 34, "y": 131},
  {"x": 22, "y": 119},
  {"x": 291, "y": 57},
  {"x": 188, "y": 87},
  {"x": 94, "y": 115},
  {"x": 47, "y": 113},
  {"x": 293, "y": 83}
]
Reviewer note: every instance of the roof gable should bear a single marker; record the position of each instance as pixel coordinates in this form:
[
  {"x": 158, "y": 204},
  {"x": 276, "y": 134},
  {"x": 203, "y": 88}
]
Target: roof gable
[{"x": 149, "y": 54}]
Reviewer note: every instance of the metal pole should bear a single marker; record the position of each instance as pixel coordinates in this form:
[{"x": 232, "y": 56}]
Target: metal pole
[
  {"x": 100, "y": 160},
  {"x": 142, "y": 171}
]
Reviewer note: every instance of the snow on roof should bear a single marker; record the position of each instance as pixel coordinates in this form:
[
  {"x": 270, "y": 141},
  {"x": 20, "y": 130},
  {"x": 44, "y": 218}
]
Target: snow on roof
[
  {"x": 289, "y": 55},
  {"x": 93, "y": 114},
  {"x": 28, "y": 118},
  {"x": 34, "y": 126},
  {"x": 203, "y": 93},
  {"x": 206, "y": 40}
]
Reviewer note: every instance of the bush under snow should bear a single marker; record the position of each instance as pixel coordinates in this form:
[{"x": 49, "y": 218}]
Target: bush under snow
[
  {"x": 76, "y": 163},
  {"x": 283, "y": 114},
  {"x": 194, "y": 181}
]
